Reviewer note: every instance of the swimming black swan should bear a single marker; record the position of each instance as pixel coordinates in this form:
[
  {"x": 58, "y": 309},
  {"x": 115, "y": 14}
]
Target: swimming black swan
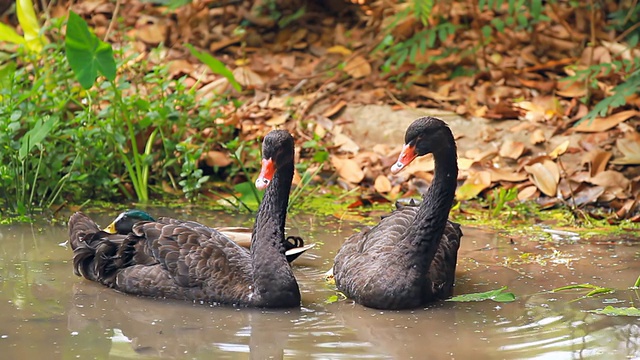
[
  {"x": 123, "y": 225},
  {"x": 409, "y": 258},
  {"x": 180, "y": 262}
]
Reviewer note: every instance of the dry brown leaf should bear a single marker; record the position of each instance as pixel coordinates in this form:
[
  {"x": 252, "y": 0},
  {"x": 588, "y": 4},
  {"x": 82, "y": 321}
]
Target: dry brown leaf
[
  {"x": 630, "y": 147},
  {"x": 506, "y": 175},
  {"x": 334, "y": 109},
  {"x": 464, "y": 163},
  {"x": 610, "y": 179},
  {"x": 537, "y": 137},
  {"x": 382, "y": 184},
  {"x": 480, "y": 156},
  {"x": 422, "y": 163},
  {"x": 430, "y": 94},
  {"x": 348, "y": 169},
  {"x": 152, "y": 34},
  {"x": 358, "y": 67},
  {"x": 511, "y": 149},
  {"x": 339, "y": 49},
  {"x": 247, "y": 77},
  {"x": 180, "y": 66},
  {"x": 597, "y": 160},
  {"x": 278, "y": 119},
  {"x": 216, "y": 158},
  {"x": 545, "y": 175},
  {"x": 474, "y": 185},
  {"x": 382, "y": 149},
  {"x": 541, "y": 108},
  {"x": 213, "y": 88},
  {"x": 602, "y": 124},
  {"x": 345, "y": 143},
  {"x": 587, "y": 195},
  {"x": 628, "y": 208},
  {"x": 571, "y": 88},
  {"x": 528, "y": 193},
  {"x": 559, "y": 150}
]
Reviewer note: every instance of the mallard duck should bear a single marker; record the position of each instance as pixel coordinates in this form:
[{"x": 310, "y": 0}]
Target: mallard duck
[
  {"x": 409, "y": 258},
  {"x": 199, "y": 263},
  {"x": 123, "y": 225}
]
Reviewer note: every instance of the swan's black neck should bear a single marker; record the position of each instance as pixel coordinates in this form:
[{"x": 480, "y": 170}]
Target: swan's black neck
[
  {"x": 428, "y": 226},
  {"x": 272, "y": 276}
]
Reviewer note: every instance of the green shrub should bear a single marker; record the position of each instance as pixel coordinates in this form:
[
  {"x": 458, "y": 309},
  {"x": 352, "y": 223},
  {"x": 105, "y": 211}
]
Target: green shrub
[{"x": 107, "y": 140}]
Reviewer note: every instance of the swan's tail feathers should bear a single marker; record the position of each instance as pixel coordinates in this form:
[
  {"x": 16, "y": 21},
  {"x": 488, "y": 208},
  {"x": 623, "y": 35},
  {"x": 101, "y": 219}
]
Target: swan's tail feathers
[
  {"x": 94, "y": 256},
  {"x": 81, "y": 229}
]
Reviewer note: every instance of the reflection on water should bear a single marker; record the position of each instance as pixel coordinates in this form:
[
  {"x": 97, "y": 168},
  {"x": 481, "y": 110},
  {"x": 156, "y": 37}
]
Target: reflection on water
[{"x": 46, "y": 311}]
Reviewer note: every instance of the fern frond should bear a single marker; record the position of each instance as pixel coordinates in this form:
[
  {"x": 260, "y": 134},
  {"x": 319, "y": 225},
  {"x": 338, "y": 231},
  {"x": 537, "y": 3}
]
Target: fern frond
[
  {"x": 620, "y": 93},
  {"x": 422, "y": 10}
]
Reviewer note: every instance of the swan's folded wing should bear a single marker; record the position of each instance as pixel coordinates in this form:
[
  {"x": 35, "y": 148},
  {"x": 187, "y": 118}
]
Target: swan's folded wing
[
  {"x": 193, "y": 225},
  {"x": 388, "y": 231},
  {"x": 443, "y": 267},
  {"x": 365, "y": 246},
  {"x": 193, "y": 255}
]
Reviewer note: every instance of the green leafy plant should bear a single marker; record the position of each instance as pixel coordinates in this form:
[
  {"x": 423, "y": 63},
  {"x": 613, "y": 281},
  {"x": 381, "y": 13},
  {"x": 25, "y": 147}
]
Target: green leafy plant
[
  {"x": 620, "y": 93},
  {"x": 593, "y": 290},
  {"x": 617, "y": 311},
  {"x": 33, "y": 38},
  {"x": 216, "y": 66},
  {"x": 498, "y": 295},
  {"x": 499, "y": 199},
  {"x": 57, "y": 142},
  {"x": 86, "y": 53}
]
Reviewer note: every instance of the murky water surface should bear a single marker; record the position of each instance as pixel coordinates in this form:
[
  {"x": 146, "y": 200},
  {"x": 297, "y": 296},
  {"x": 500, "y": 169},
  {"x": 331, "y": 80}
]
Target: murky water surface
[{"x": 47, "y": 312}]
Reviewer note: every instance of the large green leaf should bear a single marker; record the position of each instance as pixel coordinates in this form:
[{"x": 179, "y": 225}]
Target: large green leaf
[
  {"x": 35, "y": 136},
  {"x": 217, "y": 66},
  {"x": 30, "y": 26},
  {"x": 86, "y": 53},
  {"x": 8, "y": 34}
]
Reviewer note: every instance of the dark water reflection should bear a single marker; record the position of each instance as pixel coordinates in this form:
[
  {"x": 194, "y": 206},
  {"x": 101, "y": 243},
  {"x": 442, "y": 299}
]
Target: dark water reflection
[{"x": 45, "y": 311}]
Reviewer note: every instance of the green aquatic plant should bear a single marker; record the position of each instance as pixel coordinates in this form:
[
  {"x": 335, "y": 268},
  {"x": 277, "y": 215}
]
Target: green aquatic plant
[
  {"x": 593, "y": 290},
  {"x": 617, "y": 311},
  {"x": 498, "y": 295}
]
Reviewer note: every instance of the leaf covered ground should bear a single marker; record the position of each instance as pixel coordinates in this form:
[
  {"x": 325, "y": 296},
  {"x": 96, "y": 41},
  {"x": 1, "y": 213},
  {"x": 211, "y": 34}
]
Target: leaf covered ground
[{"x": 519, "y": 92}]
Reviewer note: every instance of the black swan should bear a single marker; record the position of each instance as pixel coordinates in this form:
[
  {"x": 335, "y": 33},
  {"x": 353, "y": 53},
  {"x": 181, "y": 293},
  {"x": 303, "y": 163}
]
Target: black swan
[
  {"x": 200, "y": 264},
  {"x": 123, "y": 225},
  {"x": 409, "y": 258}
]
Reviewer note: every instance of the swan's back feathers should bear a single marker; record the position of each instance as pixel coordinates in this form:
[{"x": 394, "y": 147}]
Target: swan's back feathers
[
  {"x": 364, "y": 269},
  {"x": 172, "y": 259}
]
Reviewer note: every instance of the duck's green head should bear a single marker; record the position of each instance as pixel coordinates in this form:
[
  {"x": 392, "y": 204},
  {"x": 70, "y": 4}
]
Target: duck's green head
[{"x": 123, "y": 224}]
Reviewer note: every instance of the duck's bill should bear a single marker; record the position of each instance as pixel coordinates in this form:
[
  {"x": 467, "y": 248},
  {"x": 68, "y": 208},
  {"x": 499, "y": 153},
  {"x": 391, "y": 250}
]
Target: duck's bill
[
  {"x": 111, "y": 228},
  {"x": 267, "y": 171},
  {"x": 407, "y": 155}
]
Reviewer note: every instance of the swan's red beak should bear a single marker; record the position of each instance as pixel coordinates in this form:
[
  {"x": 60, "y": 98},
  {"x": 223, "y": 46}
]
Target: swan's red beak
[
  {"x": 407, "y": 155},
  {"x": 266, "y": 174}
]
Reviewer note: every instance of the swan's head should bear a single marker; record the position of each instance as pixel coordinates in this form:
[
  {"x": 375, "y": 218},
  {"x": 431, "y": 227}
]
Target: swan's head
[
  {"x": 424, "y": 136},
  {"x": 277, "y": 150},
  {"x": 123, "y": 224}
]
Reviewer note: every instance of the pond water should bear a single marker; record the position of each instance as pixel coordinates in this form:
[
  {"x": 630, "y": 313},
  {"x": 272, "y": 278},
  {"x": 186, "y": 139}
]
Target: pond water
[{"x": 47, "y": 311}]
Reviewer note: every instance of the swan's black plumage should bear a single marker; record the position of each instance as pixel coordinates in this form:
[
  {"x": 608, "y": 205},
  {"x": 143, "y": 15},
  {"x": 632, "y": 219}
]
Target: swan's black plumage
[
  {"x": 180, "y": 261},
  {"x": 124, "y": 222},
  {"x": 409, "y": 258}
]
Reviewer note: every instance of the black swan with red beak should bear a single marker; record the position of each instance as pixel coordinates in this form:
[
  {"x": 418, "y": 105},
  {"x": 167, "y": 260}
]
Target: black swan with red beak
[
  {"x": 181, "y": 260},
  {"x": 409, "y": 258}
]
